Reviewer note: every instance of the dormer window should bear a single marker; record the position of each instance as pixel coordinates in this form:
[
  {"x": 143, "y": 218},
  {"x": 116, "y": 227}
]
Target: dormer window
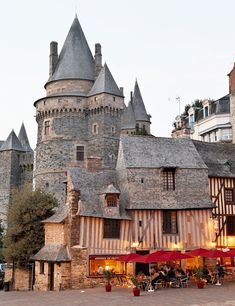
[
  {"x": 206, "y": 112},
  {"x": 111, "y": 200}
]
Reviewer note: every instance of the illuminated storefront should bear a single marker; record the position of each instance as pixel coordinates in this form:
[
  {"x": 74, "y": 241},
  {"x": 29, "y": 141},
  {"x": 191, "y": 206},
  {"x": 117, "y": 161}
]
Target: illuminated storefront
[{"x": 106, "y": 262}]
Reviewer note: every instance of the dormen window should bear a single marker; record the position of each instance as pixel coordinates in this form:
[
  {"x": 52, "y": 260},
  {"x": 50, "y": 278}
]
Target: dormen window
[
  {"x": 80, "y": 153},
  {"x": 169, "y": 179},
  {"x": 46, "y": 127},
  {"x": 111, "y": 228},
  {"x": 230, "y": 225},
  {"x": 170, "y": 222},
  {"x": 111, "y": 200},
  {"x": 229, "y": 195}
]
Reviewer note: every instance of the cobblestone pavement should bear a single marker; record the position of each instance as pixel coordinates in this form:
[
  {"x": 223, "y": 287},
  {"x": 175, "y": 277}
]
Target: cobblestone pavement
[{"x": 211, "y": 295}]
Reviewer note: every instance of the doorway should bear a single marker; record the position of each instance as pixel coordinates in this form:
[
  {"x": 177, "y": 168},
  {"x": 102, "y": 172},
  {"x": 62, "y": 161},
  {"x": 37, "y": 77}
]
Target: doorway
[
  {"x": 51, "y": 276},
  {"x": 142, "y": 267}
]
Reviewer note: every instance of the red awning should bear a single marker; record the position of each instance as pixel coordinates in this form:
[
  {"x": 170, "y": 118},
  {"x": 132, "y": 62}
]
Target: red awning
[
  {"x": 171, "y": 256},
  {"x": 128, "y": 257},
  {"x": 150, "y": 257},
  {"x": 197, "y": 252},
  {"x": 214, "y": 254}
]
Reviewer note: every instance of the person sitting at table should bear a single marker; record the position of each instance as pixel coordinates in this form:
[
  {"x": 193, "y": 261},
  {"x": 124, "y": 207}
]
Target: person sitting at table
[
  {"x": 155, "y": 277},
  {"x": 171, "y": 273},
  {"x": 220, "y": 270},
  {"x": 206, "y": 274},
  {"x": 180, "y": 272}
]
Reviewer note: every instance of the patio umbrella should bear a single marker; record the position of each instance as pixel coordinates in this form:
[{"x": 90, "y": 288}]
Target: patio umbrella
[
  {"x": 214, "y": 254},
  {"x": 128, "y": 257},
  {"x": 197, "y": 252},
  {"x": 230, "y": 253},
  {"x": 171, "y": 256},
  {"x": 150, "y": 257}
]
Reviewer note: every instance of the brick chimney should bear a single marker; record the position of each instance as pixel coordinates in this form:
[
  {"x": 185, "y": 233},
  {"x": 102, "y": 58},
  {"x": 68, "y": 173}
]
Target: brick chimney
[
  {"x": 53, "y": 58},
  {"x": 98, "y": 59}
]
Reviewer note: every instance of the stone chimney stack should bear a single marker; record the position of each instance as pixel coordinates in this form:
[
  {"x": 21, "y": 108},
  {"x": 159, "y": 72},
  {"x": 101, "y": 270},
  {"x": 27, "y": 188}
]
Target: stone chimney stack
[
  {"x": 231, "y": 76},
  {"x": 98, "y": 59},
  {"x": 53, "y": 57}
]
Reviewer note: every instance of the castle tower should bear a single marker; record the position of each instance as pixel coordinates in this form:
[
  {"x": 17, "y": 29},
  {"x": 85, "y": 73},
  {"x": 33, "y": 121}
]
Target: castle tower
[
  {"x": 135, "y": 118},
  {"x": 79, "y": 119},
  {"x": 16, "y": 167}
]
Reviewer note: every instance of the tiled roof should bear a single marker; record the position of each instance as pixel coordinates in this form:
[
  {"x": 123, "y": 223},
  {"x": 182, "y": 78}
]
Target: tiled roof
[
  {"x": 75, "y": 60},
  {"x": 128, "y": 118},
  {"x": 23, "y": 138},
  {"x": 12, "y": 143},
  {"x": 54, "y": 253},
  {"x": 91, "y": 185},
  {"x": 219, "y": 157},
  {"x": 59, "y": 216},
  {"x": 105, "y": 83},
  {"x": 138, "y": 105},
  {"x": 157, "y": 152},
  {"x": 110, "y": 189}
]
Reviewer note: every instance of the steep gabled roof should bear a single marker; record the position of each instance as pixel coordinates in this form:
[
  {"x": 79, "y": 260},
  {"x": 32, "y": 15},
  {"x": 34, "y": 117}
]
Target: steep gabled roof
[
  {"x": 128, "y": 119},
  {"x": 105, "y": 83},
  {"x": 158, "y": 152},
  {"x": 138, "y": 104},
  {"x": 12, "y": 143},
  {"x": 23, "y": 138},
  {"x": 75, "y": 60},
  {"x": 110, "y": 189}
]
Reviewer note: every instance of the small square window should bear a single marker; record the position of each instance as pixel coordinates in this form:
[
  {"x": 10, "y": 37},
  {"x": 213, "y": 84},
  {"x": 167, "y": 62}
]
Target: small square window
[
  {"x": 229, "y": 195},
  {"x": 169, "y": 179},
  {"x": 170, "y": 222},
  {"x": 111, "y": 200},
  {"x": 111, "y": 228}
]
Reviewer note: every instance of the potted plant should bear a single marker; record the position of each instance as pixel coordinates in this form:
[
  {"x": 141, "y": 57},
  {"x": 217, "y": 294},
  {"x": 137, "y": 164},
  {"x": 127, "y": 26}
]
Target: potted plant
[
  {"x": 198, "y": 273},
  {"x": 108, "y": 276},
  {"x": 135, "y": 281}
]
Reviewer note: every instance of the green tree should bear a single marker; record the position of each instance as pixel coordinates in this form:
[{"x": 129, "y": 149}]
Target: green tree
[{"x": 25, "y": 233}]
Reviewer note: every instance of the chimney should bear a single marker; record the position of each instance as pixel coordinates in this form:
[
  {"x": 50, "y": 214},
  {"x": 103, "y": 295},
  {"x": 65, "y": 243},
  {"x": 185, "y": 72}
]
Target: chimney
[
  {"x": 131, "y": 96},
  {"x": 121, "y": 90},
  {"x": 53, "y": 58},
  {"x": 231, "y": 76},
  {"x": 98, "y": 59}
]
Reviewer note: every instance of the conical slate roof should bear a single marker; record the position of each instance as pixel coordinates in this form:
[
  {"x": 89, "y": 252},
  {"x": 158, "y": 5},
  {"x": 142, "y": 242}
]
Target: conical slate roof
[
  {"x": 75, "y": 60},
  {"x": 105, "y": 83},
  {"x": 23, "y": 138},
  {"x": 128, "y": 119},
  {"x": 138, "y": 104},
  {"x": 12, "y": 143}
]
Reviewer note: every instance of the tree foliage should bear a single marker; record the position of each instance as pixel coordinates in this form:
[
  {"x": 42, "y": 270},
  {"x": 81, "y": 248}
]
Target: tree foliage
[{"x": 25, "y": 233}]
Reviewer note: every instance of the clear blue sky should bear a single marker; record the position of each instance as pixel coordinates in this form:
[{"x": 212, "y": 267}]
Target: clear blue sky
[{"x": 174, "y": 48}]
